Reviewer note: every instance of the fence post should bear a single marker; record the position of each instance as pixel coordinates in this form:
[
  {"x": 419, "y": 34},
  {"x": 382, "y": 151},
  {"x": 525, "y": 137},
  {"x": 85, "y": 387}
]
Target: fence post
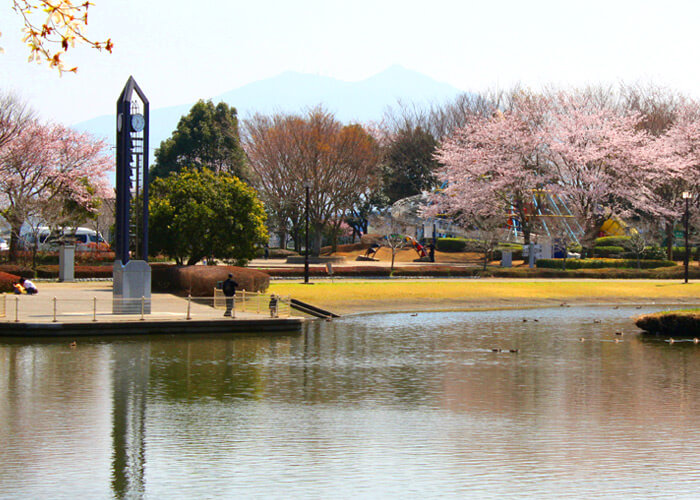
[
  {"x": 54, "y": 309},
  {"x": 189, "y": 305},
  {"x": 258, "y": 301},
  {"x": 143, "y": 306},
  {"x": 16, "y": 309},
  {"x": 233, "y": 309},
  {"x": 94, "y": 308},
  {"x": 243, "y": 301}
]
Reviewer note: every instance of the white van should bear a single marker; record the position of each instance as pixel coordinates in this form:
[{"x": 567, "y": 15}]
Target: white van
[{"x": 85, "y": 238}]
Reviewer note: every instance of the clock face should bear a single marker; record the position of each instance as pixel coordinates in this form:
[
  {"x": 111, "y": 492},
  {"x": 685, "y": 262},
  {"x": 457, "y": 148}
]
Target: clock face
[{"x": 137, "y": 122}]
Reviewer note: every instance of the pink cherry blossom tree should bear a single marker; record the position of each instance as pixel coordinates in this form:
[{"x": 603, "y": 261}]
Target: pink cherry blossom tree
[
  {"x": 49, "y": 171},
  {"x": 600, "y": 161},
  {"x": 678, "y": 151},
  {"x": 492, "y": 165}
]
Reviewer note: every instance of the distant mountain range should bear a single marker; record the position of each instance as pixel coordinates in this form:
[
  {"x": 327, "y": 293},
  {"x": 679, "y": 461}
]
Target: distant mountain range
[{"x": 361, "y": 101}]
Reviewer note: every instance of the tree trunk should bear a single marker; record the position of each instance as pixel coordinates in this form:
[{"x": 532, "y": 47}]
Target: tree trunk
[
  {"x": 14, "y": 242},
  {"x": 317, "y": 240},
  {"x": 393, "y": 253},
  {"x": 669, "y": 240}
]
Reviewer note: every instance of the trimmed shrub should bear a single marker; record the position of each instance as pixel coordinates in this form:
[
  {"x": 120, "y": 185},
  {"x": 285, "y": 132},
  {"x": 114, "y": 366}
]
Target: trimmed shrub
[
  {"x": 281, "y": 253},
  {"x": 679, "y": 253},
  {"x": 602, "y": 263},
  {"x": 517, "y": 251},
  {"x": 7, "y": 280},
  {"x": 451, "y": 244},
  {"x": 80, "y": 272},
  {"x": 17, "y": 270},
  {"x": 607, "y": 251},
  {"x": 612, "y": 241},
  {"x": 318, "y": 271},
  {"x": 91, "y": 257},
  {"x": 200, "y": 281},
  {"x": 675, "y": 272},
  {"x": 606, "y": 273}
]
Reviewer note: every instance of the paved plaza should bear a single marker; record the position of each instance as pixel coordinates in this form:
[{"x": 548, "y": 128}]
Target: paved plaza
[{"x": 92, "y": 302}]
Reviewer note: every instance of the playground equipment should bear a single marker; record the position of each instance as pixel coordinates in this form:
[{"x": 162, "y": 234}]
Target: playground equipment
[
  {"x": 548, "y": 207},
  {"x": 420, "y": 249}
]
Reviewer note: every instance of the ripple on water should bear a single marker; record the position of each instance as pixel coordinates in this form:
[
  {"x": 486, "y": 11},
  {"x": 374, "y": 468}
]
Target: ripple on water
[{"x": 380, "y": 405}]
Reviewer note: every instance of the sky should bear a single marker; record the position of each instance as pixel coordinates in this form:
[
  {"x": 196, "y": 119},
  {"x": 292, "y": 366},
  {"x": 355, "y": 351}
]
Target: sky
[{"x": 181, "y": 51}]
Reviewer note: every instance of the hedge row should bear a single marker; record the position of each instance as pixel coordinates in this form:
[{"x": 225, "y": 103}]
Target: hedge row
[
  {"x": 603, "y": 263},
  {"x": 612, "y": 241},
  {"x": 200, "y": 281},
  {"x": 80, "y": 272},
  {"x": 451, "y": 244},
  {"x": 606, "y": 251},
  {"x": 675, "y": 272},
  {"x": 666, "y": 273}
]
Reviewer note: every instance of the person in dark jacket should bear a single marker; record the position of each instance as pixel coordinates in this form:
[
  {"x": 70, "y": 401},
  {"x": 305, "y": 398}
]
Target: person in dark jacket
[
  {"x": 273, "y": 305},
  {"x": 229, "y": 289}
]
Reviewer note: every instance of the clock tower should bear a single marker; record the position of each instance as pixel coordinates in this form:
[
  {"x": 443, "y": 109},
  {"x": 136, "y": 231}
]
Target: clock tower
[{"x": 132, "y": 277}]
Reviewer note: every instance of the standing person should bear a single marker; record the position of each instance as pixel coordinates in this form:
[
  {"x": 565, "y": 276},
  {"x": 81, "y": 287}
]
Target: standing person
[
  {"x": 273, "y": 306},
  {"x": 28, "y": 286},
  {"x": 229, "y": 289},
  {"x": 267, "y": 251}
]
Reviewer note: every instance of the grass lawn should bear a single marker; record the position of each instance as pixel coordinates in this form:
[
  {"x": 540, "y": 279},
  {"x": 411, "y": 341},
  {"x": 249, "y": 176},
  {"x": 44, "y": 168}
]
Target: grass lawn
[{"x": 355, "y": 296}]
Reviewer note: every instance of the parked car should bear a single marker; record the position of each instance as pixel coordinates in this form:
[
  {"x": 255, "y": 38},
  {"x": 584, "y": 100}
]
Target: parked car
[{"x": 85, "y": 239}]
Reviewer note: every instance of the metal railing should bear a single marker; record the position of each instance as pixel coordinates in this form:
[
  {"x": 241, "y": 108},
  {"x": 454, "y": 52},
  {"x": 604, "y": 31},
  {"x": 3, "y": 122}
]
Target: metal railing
[
  {"x": 19, "y": 308},
  {"x": 254, "y": 302}
]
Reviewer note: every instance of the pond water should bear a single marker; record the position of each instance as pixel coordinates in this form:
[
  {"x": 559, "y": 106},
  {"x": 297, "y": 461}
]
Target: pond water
[{"x": 389, "y": 405}]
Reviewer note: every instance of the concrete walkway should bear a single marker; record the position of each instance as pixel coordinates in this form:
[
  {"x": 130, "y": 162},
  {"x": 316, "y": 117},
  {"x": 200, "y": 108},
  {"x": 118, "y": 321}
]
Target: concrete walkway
[{"x": 91, "y": 302}]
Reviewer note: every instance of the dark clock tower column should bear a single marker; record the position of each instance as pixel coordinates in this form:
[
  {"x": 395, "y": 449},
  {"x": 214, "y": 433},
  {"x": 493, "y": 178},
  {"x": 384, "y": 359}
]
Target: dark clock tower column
[{"x": 132, "y": 277}]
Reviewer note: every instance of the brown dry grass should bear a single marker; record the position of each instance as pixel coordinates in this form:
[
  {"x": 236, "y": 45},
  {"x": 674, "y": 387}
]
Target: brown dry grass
[{"x": 401, "y": 295}]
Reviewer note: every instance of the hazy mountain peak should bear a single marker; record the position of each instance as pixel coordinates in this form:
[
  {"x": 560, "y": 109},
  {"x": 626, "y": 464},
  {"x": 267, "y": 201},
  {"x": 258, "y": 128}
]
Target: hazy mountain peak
[{"x": 294, "y": 92}]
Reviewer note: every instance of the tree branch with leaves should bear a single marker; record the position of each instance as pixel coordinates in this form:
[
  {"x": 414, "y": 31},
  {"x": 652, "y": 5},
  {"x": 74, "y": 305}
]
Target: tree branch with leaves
[{"x": 52, "y": 27}]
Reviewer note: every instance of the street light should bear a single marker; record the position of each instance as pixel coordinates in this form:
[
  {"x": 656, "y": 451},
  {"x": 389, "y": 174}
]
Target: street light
[
  {"x": 307, "y": 187},
  {"x": 686, "y": 197}
]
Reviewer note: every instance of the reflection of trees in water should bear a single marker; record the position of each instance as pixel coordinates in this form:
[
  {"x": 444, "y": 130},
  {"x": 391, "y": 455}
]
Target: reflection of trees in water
[{"x": 218, "y": 367}]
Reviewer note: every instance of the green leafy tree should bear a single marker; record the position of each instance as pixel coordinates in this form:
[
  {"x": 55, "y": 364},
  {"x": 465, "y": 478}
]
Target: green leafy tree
[
  {"x": 206, "y": 137},
  {"x": 199, "y": 213},
  {"x": 409, "y": 164}
]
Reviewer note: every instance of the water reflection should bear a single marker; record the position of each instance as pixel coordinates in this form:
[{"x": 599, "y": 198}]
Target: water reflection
[
  {"x": 387, "y": 405},
  {"x": 130, "y": 374}
]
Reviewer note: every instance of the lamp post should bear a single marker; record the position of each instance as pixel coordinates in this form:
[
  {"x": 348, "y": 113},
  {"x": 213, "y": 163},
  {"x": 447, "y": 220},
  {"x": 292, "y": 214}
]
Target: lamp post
[
  {"x": 686, "y": 197},
  {"x": 307, "y": 187}
]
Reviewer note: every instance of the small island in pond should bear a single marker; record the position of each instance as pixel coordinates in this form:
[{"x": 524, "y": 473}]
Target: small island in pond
[{"x": 681, "y": 323}]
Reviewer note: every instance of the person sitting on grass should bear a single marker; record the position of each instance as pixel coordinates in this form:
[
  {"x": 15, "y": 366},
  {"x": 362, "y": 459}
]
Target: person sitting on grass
[{"x": 28, "y": 286}]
